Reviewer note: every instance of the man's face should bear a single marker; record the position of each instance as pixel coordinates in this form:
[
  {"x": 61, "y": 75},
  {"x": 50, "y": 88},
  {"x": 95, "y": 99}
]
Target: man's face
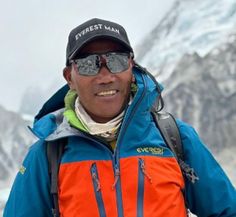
[{"x": 104, "y": 95}]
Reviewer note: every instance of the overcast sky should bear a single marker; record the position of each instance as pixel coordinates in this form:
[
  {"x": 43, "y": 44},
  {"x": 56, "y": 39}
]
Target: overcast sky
[{"x": 34, "y": 36}]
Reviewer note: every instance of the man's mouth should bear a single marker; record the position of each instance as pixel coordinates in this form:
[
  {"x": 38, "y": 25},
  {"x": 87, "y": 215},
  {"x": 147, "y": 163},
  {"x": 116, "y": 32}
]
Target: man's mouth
[{"x": 107, "y": 93}]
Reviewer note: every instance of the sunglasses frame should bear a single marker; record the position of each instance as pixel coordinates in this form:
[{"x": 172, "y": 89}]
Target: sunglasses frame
[{"x": 102, "y": 57}]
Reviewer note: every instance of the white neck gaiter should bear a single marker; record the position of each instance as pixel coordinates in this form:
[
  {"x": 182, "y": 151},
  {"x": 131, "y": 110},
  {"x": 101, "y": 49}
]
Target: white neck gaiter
[{"x": 106, "y": 130}]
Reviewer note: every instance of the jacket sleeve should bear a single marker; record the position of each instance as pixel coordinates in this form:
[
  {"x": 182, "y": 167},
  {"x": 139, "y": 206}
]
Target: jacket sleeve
[
  {"x": 213, "y": 195},
  {"x": 30, "y": 193}
]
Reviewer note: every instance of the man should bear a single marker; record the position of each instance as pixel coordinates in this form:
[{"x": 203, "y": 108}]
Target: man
[{"x": 115, "y": 162}]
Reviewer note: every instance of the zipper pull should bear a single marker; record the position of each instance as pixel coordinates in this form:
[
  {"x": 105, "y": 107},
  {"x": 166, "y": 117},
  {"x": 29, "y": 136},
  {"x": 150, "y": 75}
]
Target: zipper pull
[
  {"x": 117, "y": 176},
  {"x": 94, "y": 176},
  {"x": 143, "y": 169}
]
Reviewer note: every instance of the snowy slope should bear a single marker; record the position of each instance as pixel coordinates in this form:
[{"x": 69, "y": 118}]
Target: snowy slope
[
  {"x": 190, "y": 26},
  {"x": 15, "y": 139}
]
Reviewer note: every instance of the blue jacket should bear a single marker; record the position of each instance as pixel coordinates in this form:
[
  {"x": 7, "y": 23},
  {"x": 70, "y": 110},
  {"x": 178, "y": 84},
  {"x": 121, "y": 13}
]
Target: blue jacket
[{"x": 139, "y": 142}]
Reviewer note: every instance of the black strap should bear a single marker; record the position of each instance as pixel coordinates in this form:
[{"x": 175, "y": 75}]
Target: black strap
[
  {"x": 54, "y": 151},
  {"x": 170, "y": 132}
]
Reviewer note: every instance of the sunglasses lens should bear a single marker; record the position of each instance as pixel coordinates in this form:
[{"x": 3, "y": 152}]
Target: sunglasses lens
[
  {"x": 117, "y": 62},
  {"x": 89, "y": 65}
]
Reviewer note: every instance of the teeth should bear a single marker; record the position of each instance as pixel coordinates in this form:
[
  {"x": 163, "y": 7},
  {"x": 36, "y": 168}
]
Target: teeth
[{"x": 107, "y": 93}]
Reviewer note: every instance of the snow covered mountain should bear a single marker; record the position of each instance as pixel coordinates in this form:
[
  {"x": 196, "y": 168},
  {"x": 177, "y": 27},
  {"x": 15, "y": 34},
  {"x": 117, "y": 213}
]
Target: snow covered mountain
[
  {"x": 189, "y": 26},
  {"x": 204, "y": 94},
  {"x": 15, "y": 139}
]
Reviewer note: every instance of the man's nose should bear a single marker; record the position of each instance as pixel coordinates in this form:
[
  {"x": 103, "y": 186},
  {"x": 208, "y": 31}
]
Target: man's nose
[{"x": 104, "y": 75}]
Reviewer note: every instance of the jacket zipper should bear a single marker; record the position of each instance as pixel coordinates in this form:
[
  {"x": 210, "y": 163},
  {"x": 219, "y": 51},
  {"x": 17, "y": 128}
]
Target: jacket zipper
[
  {"x": 97, "y": 190},
  {"x": 117, "y": 183},
  {"x": 142, "y": 174},
  {"x": 140, "y": 188}
]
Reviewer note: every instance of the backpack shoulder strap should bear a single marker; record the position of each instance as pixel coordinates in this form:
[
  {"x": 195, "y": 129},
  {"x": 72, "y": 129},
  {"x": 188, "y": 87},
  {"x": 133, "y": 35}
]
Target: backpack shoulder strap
[
  {"x": 170, "y": 132},
  {"x": 54, "y": 151}
]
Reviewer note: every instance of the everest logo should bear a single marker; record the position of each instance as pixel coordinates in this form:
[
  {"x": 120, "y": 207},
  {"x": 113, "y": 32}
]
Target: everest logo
[
  {"x": 151, "y": 150},
  {"x": 95, "y": 28}
]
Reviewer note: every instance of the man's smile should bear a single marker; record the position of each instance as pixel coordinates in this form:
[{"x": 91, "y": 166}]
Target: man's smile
[{"x": 107, "y": 93}]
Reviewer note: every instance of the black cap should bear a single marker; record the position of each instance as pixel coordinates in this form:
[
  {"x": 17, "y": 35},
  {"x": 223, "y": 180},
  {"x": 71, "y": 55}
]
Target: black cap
[{"x": 94, "y": 29}]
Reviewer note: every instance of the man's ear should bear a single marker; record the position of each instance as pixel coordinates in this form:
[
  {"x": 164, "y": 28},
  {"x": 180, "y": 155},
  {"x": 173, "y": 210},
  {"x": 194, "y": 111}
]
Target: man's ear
[
  {"x": 132, "y": 65},
  {"x": 67, "y": 76},
  {"x": 132, "y": 62},
  {"x": 133, "y": 78}
]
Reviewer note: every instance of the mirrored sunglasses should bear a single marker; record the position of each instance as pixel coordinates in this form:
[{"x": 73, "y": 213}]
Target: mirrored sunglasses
[{"x": 91, "y": 64}]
